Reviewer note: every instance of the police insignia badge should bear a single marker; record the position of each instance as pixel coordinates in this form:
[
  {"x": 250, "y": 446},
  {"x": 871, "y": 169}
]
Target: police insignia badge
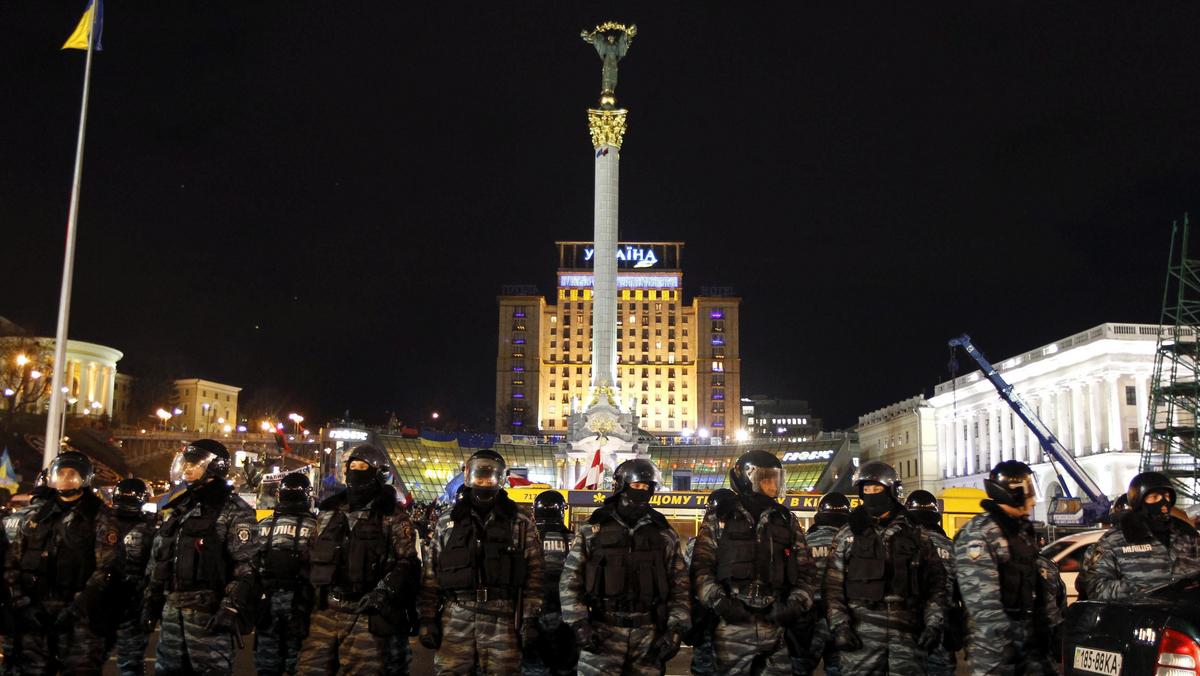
[
  {"x": 243, "y": 534},
  {"x": 110, "y": 537},
  {"x": 975, "y": 550}
]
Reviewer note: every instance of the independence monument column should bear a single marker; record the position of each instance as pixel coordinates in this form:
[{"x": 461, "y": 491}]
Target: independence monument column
[{"x": 603, "y": 421}]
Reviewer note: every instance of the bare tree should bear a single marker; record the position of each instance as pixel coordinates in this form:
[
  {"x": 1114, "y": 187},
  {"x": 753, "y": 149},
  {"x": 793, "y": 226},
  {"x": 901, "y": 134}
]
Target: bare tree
[{"x": 25, "y": 374}]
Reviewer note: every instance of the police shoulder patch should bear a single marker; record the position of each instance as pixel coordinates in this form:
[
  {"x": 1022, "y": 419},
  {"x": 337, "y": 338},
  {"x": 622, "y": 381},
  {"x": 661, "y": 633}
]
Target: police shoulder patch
[
  {"x": 974, "y": 550},
  {"x": 243, "y": 534},
  {"x": 110, "y": 536}
]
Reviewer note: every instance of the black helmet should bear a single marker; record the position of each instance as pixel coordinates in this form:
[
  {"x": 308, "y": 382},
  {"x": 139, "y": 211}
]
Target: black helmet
[
  {"x": 833, "y": 502},
  {"x": 549, "y": 507},
  {"x": 921, "y": 500},
  {"x": 379, "y": 467},
  {"x": 722, "y": 500},
  {"x": 1010, "y": 483},
  {"x": 483, "y": 474},
  {"x": 1120, "y": 505},
  {"x": 638, "y": 470},
  {"x": 74, "y": 481},
  {"x": 754, "y": 468},
  {"x": 833, "y": 509},
  {"x": 208, "y": 453},
  {"x": 1147, "y": 483},
  {"x": 41, "y": 481},
  {"x": 880, "y": 473},
  {"x": 131, "y": 494},
  {"x": 294, "y": 488}
]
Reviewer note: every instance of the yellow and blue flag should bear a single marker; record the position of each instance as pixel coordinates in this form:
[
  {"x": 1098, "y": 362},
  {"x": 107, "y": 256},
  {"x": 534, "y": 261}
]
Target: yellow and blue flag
[
  {"x": 94, "y": 14},
  {"x": 8, "y": 476}
]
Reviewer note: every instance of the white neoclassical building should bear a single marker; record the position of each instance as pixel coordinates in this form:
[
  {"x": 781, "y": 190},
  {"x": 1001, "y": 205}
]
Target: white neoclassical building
[
  {"x": 90, "y": 376},
  {"x": 1092, "y": 389}
]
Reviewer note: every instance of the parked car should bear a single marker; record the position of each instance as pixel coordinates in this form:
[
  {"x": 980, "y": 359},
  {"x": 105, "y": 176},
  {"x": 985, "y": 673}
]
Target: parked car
[
  {"x": 1157, "y": 634},
  {"x": 1067, "y": 553}
]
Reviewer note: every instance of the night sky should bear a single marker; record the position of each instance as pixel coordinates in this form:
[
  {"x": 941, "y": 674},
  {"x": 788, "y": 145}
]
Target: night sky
[{"x": 325, "y": 198}]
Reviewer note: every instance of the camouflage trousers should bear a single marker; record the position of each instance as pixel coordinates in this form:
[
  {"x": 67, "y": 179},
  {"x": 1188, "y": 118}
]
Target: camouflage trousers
[
  {"x": 340, "y": 636},
  {"x": 941, "y": 662},
  {"x": 753, "y": 647},
  {"x": 131, "y": 644},
  {"x": 889, "y": 643},
  {"x": 276, "y": 645},
  {"x": 478, "y": 638},
  {"x": 704, "y": 661},
  {"x": 186, "y": 646},
  {"x": 1009, "y": 655},
  {"x": 621, "y": 653},
  {"x": 74, "y": 649}
]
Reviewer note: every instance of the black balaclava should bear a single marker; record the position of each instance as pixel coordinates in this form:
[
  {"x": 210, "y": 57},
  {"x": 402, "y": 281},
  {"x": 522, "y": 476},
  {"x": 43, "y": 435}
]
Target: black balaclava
[
  {"x": 756, "y": 502},
  {"x": 634, "y": 503},
  {"x": 1158, "y": 517},
  {"x": 483, "y": 497},
  {"x": 362, "y": 486},
  {"x": 878, "y": 504}
]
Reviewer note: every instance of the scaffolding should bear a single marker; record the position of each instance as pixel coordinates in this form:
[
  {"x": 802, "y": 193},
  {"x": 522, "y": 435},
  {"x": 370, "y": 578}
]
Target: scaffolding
[{"x": 1172, "y": 443}]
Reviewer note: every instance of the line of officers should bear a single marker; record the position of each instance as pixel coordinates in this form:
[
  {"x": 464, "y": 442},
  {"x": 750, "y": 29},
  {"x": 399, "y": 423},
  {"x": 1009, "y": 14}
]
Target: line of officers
[{"x": 878, "y": 589}]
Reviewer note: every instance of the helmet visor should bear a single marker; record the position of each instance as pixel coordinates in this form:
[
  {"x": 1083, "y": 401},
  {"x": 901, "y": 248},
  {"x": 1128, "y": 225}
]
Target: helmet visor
[
  {"x": 484, "y": 473},
  {"x": 190, "y": 465},
  {"x": 65, "y": 478},
  {"x": 768, "y": 481}
]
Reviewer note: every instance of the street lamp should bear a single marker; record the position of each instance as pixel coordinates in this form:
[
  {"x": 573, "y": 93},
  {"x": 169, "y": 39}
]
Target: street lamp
[
  {"x": 164, "y": 415},
  {"x": 22, "y": 360},
  {"x": 741, "y": 435},
  {"x": 435, "y": 415},
  {"x": 703, "y": 432}
]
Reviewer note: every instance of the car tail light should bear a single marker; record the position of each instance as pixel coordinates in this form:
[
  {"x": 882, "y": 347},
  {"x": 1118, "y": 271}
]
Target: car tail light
[{"x": 1178, "y": 655}]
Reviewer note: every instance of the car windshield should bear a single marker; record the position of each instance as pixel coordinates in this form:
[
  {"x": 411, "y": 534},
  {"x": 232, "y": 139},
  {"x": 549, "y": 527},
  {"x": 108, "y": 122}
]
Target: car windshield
[{"x": 1055, "y": 548}]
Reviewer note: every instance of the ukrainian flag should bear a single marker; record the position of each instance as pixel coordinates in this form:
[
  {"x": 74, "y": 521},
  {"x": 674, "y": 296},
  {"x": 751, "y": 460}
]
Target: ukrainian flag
[
  {"x": 93, "y": 14},
  {"x": 8, "y": 476}
]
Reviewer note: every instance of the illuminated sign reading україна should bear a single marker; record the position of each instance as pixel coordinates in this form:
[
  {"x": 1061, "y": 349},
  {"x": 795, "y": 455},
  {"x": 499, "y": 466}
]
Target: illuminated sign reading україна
[{"x": 639, "y": 256}]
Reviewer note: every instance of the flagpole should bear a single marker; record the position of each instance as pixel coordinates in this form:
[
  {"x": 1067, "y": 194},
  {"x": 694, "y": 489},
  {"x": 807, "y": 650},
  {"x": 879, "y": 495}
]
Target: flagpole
[{"x": 56, "y": 415}]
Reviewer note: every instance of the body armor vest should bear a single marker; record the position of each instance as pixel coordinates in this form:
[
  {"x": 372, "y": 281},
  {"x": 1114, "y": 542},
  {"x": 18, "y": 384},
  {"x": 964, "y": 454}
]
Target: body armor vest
[
  {"x": 627, "y": 569},
  {"x": 1019, "y": 576},
  {"x": 871, "y": 574},
  {"x": 743, "y": 556},
  {"x": 280, "y": 560},
  {"x": 469, "y": 561},
  {"x": 351, "y": 560},
  {"x": 193, "y": 558},
  {"x": 58, "y": 552},
  {"x": 134, "y": 536}
]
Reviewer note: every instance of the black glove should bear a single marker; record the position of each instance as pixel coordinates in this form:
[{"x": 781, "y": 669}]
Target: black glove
[
  {"x": 374, "y": 602},
  {"x": 930, "y": 638},
  {"x": 787, "y": 613},
  {"x": 150, "y": 618},
  {"x": 224, "y": 620},
  {"x": 732, "y": 610},
  {"x": 430, "y": 634},
  {"x": 664, "y": 647},
  {"x": 529, "y": 634},
  {"x": 587, "y": 637},
  {"x": 846, "y": 640}
]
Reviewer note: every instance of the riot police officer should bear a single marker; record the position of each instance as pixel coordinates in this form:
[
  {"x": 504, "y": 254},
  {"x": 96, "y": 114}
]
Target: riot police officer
[
  {"x": 625, "y": 590},
  {"x": 363, "y": 568},
  {"x": 481, "y": 593},
  {"x": 38, "y": 496},
  {"x": 1147, "y": 548},
  {"x": 885, "y": 586},
  {"x": 135, "y": 535},
  {"x": 752, "y": 566},
  {"x": 202, "y": 583},
  {"x": 283, "y": 568},
  {"x": 833, "y": 512},
  {"x": 923, "y": 511},
  {"x": 704, "y": 620},
  {"x": 996, "y": 565},
  {"x": 555, "y": 653},
  {"x": 58, "y": 569}
]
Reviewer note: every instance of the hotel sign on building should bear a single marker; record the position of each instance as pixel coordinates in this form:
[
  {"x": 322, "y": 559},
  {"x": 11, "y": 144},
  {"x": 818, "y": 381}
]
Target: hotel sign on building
[{"x": 678, "y": 359}]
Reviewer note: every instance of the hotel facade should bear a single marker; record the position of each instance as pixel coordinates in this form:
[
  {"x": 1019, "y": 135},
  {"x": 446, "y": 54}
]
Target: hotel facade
[{"x": 678, "y": 361}]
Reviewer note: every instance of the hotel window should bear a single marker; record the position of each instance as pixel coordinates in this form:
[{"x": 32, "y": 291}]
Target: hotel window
[
  {"x": 579, "y": 344},
  {"x": 552, "y": 384},
  {"x": 632, "y": 371},
  {"x": 553, "y": 330},
  {"x": 553, "y": 344},
  {"x": 578, "y": 383},
  {"x": 658, "y": 307},
  {"x": 658, "y": 332},
  {"x": 578, "y": 370}
]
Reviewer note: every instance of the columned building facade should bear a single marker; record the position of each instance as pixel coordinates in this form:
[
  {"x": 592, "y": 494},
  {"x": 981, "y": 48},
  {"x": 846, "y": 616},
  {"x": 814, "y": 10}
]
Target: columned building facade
[
  {"x": 1092, "y": 389},
  {"x": 904, "y": 435}
]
